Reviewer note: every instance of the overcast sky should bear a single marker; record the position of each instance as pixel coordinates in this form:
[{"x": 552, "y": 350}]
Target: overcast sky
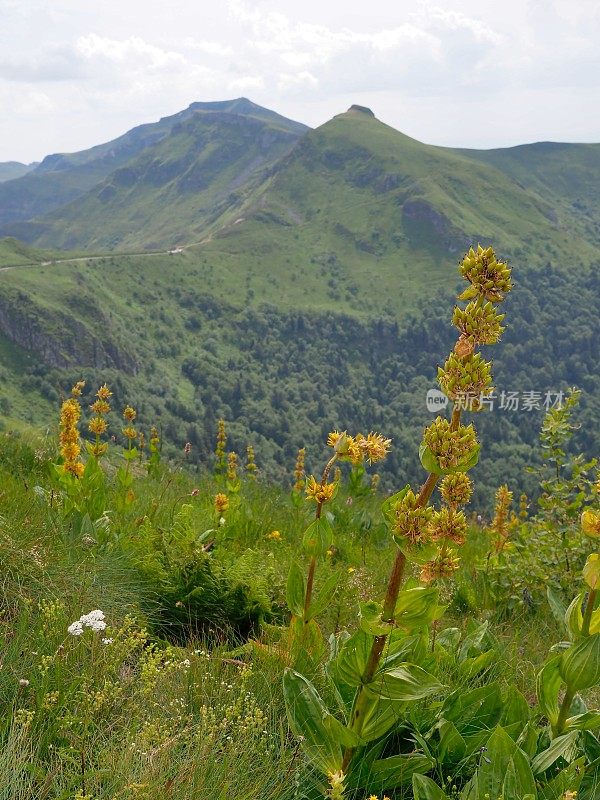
[{"x": 472, "y": 73}]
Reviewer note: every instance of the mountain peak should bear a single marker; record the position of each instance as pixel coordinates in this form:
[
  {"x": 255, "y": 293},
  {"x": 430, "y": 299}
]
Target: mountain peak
[{"x": 356, "y": 109}]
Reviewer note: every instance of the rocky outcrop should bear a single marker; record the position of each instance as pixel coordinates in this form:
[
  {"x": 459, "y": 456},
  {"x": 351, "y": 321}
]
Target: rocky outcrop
[
  {"x": 58, "y": 340},
  {"x": 424, "y": 222}
]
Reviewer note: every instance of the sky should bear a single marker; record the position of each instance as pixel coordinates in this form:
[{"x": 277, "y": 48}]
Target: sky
[{"x": 461, "y": 73}]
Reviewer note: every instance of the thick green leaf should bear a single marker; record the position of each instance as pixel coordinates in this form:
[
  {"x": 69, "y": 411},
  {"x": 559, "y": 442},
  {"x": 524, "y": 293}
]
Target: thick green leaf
[
  {"x": 341, "y": 733},
  {"x": 580, "y": 665},
  {"x": 475, "y": 709},
  {"x": 562, "y": 747},
  {"x": 504, "y": 770},
  {"x": 595, "y": 621},
  {"x": 401, "y": 648},
  {"x": 515, "y": 713},
  {"x": 322, "y": 600},
  {"x": 373, "y": 774},
  {"x": 471, "y": 667},
  {"x": 318, "y": 537},
  {"x": 388, "y": 773},
  {"x": 431, "y": 464},
  {"x": 351, "y": 661},
  {"x": 473, "y": 642},
  {"x": 574, "y": 617},
  {"x": 371, "y": 621},
  {"x": 426, "y": 789},
  {"x": 306, "y": 714},
  {"x": 548, "y": 687},
  {"x": 528, "y": 740},
  {"x": 428, "y": 460},
  {"x": 417, "y": 607},
  {"x": 590, "y": 721},
  {"x": 379, "y": 716},
  {"x": 404, "y": 682},
  {"x": 449, "y": 639},
  {"x": 295, "y": 590},
  {"x": 557, "y": 606},
  {"x": 452, "y": 746}
]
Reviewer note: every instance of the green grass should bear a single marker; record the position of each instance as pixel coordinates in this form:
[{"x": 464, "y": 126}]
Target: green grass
[{"x": 139, "y": 717}]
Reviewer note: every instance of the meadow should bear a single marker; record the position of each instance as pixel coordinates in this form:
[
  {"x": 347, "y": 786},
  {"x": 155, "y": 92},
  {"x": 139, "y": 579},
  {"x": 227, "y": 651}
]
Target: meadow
[{"x": 178, "y": 629}]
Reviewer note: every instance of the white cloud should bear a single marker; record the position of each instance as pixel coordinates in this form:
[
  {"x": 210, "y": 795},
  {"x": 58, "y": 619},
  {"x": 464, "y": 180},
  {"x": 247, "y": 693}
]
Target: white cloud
[
  {"x": 141, "y": 59},
  {"x": 296, "y": 80},
  {"x": 133, "y": 50},
  {"x": 247, "y": 84}
]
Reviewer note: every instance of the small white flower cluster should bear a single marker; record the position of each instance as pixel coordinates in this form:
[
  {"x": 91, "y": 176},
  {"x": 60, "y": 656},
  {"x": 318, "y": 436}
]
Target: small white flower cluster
[{"x": 93, "y": 620}]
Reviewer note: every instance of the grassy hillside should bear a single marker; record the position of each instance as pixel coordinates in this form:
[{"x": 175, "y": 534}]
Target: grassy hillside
[
  {"x": 14, "y": 169},
  {"x": 185, "y": 335},
  {"x": 202, "y": 171},
  {"x": 62, "y": 177},
  {"x": 15, "y": 253},
  {"x": 569, "y": 173},
  {"x": 351, "y": 187}
]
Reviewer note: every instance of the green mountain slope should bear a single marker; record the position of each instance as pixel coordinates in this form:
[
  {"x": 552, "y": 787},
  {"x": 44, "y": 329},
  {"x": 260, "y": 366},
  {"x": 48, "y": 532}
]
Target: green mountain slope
[
  {"x": 14, "y": 169},
  {"x": 357, "y": 203},
  {"x": 351, "y": 187},
  {"x": 176, "y": 335},
  {"x": 202, "y": 171},
  {"x": 568, "y": 173},
  {"x": 63, "y": 177},
  {"x": 315, "y": 299},
  {"x": 15, "y": 253}
]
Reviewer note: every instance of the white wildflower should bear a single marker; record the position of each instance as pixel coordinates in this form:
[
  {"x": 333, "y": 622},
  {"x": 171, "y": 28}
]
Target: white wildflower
[
  {"x": 108, "y": 640},
  {"x": 97, "y": 625},
  {"x": 75, "y": 628},
  {"x": 93, "y": 616},
  {"x": 93, "y": 620}
]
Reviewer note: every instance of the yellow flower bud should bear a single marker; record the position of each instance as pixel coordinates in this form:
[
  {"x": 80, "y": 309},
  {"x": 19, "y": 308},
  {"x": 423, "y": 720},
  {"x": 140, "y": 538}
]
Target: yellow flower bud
[
  {"x": 591, "y": 571},
  {"x": 590, "y": 523}
]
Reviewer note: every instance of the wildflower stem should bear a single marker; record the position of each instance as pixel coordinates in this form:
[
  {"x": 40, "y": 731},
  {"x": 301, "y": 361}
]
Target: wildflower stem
[
  {"x": 589, "y": 609},
  {"x": 361, "y": 698},
  {"x": 564, "y": 711},
  {"x": 387, "y": 615},
  {"x": 309, "y": 586},
  {"x": 313, "y": 562}
]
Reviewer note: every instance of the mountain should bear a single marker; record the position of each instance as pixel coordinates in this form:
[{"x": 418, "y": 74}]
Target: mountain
[
  {"x": 356, "y": 199},
  {"x": 14, "y": 169},
  {"x": 63, "y": 177},
  {"x": 353, "y": 185},
  {"x": 316, "y": 294},
  {"x": 203, "y": 170},
  {"x": 569, "y": 173}
]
